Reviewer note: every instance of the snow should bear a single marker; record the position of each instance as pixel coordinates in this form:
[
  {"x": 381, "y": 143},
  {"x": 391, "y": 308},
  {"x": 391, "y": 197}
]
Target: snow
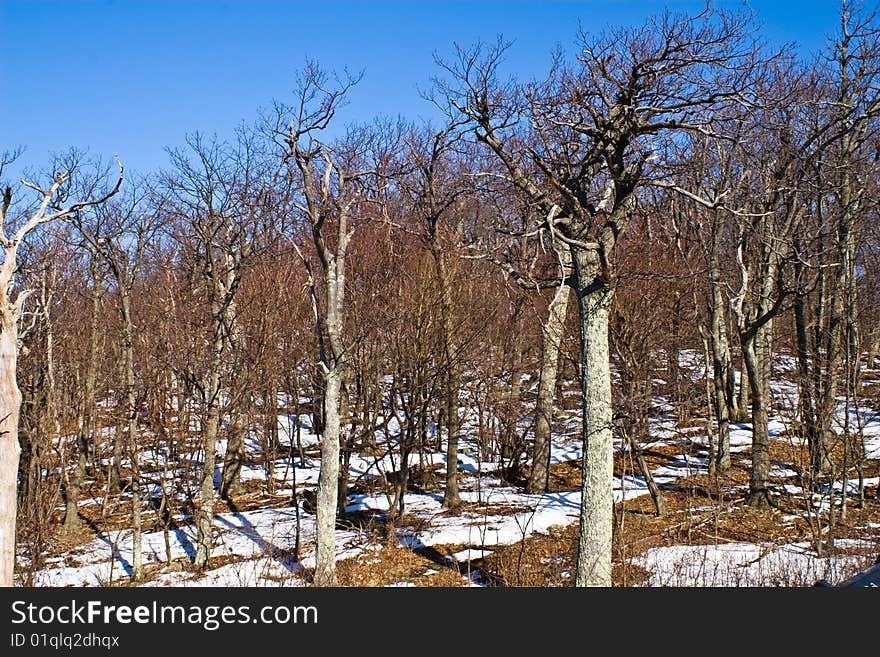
[
  {"x": 683, "y": 465},
  {"x": 748, "y": 564},
  {"x": 254, "y": 548},
  {"x": 469, "y": 554},
  {"x": 247, "y": 535},
  {"x": 261, "y": 571}
]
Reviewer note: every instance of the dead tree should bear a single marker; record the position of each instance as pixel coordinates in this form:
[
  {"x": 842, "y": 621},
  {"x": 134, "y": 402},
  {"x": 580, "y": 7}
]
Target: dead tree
[{"x": 52, "y": 204}]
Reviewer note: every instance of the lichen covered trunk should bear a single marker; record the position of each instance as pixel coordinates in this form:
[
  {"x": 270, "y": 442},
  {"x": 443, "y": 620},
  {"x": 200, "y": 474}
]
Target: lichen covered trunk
[
  {"x": 328, "y": 484},
  {"x": 759, "y": 474},
  {"x": 205, "y": 517},
  {"x": 333, "y": 365},
  {"x": 596, "y": 518},
  {"x": 551, "y": 337}
]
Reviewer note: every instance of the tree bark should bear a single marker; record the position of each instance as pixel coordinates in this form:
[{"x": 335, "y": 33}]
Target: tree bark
[
  {"x": 230, "y": 479},
  {"x": 722, "y": 367},
  {"x": 10, "y": 450},
  {"x": 205, "y": 518},
  {"x": 451, "y": 498},
  {"x": 328, "y": 477},
  {"x": 115, "y": 481},
  {"x": 806, "y": 380},
  {"x": 137, "y": 562},
  {"x": 653, "y": 489},
  {"x": 744, "y": 394},
  {"x": 328, "y": 484},
  {"x": 759, "y": 474},
  {"x": 596, "y": 517},
  {"x": 673, "y": 352},
  {"x": 551, "y": 338}
]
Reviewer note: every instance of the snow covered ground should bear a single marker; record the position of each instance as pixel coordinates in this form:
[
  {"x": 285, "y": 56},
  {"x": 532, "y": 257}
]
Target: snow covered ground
[
  {"x": 254, "y": 548},
  {"x": 749, "y": 564}
]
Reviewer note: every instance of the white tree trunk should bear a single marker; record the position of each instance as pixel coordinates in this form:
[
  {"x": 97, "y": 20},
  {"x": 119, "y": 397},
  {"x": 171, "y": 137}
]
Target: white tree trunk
[
  {"x": 328, "y": 477},
  {"x": 10, "y": 405},
  {"x": 328, "y": 484},
  {"x": 596, "y": 518}
]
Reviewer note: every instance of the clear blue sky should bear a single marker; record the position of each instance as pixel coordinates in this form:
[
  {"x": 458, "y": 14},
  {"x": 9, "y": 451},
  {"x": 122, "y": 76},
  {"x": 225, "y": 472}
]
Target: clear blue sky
[{"x": 133, "y": 76}]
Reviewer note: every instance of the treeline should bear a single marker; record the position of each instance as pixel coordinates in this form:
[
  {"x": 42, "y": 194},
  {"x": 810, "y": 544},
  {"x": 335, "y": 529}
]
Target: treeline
[{"x": 676, "y": 187}]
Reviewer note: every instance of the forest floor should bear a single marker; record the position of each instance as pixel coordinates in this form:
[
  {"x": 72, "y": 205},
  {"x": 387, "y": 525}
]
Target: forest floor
[{"x": 501, "y": 536}]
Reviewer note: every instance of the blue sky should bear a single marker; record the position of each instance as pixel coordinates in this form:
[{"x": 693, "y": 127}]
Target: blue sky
[{"x": 134, "y": 76}]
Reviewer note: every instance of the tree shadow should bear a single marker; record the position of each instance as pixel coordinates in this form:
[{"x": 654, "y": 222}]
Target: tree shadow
[
  {"x": 470, "y": 568},
  {"x": 283, "y": 556},
  {"x": 114, "y": 545}
]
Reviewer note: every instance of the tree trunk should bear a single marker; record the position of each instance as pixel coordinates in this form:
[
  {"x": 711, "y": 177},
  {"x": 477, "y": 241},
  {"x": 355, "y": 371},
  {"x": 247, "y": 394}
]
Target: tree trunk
[
  {"x": 873, "y": 347},
  {"x": 551, "y": 338},
  {"x": 85, "y": 424},
  {"x": 821, "y": 384},
  {"x": 759, "y": 476},
  {"x": 653, "y": 489},
  {"x": 328, "y": 477},
  {"x": 205, "y": 518},
  {"x": 10, "y": 450},
  {"x": 744, "y": 391},
  {"x": 328, "y": 484},
  {"x": 230, "y": 480},
  {"x": 137, "y": 562},
  {"x": 115, "y": 480},
  {"x": 596, "y": 517},
  {"x": 673, "y": 369},
  {"x": 806, "y": 397},
  {"x": 722, "y": 366},
  {"x": 451, "y": 498}
]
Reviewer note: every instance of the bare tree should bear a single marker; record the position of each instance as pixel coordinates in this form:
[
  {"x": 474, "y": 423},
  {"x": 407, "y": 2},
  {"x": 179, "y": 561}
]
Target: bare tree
[
  {"x": 435, "y": 187},
  {"x": 593, "y": 129},
  {"x": 218, "y": 195},
  {"x": 52, "y": 204},
  {"x": 330, "y": 179},
  {"x": 119, "y": 233}
]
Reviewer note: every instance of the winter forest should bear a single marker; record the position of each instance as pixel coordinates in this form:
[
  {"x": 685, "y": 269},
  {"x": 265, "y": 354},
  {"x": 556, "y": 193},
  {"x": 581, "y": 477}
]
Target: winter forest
[{"x": 615, "y": 325}]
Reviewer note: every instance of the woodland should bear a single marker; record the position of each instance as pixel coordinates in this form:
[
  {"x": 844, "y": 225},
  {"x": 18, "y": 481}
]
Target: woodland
[{"x": 615, "y": 325}]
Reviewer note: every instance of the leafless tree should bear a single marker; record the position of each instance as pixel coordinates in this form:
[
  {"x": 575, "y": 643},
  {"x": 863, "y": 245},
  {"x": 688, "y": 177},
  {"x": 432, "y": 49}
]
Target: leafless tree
[
  {"x": 51, "y": 204},
  {"x": 330, "y": 179},
  {"x": 593, "y": 128},
  {"x": 218, "y": 196},
  {"x": 119, "y": 232}
]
